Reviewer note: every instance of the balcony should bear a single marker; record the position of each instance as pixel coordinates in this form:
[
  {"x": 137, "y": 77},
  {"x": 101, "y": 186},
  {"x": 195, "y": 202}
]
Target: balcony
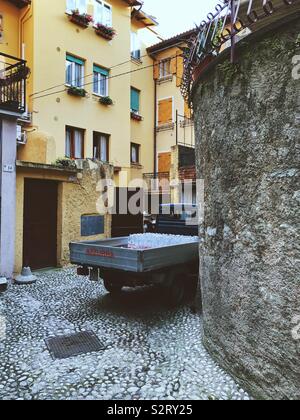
[
  {"x": 13, "y": 75},
  {"x": 20, "y": 3},
  {"x": 157, "y": 182}
]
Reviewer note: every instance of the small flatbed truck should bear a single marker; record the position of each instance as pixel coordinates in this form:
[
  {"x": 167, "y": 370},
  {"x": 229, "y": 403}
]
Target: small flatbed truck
[{"x": 174, "y": 268}]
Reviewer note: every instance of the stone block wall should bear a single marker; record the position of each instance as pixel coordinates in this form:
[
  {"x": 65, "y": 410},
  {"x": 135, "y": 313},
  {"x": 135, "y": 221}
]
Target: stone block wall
[{"x": 247, "y": 119}]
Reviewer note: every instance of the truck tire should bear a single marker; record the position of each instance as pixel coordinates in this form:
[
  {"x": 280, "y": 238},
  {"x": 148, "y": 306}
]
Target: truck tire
[
  {"x": 175, "y": 288},
  {"x": 112, "y": 287}
]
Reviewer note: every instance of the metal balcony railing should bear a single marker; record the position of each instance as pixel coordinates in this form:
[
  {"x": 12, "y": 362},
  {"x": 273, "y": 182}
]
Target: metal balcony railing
[
  {"x": 229, "y": 22},
  {"x": 159, "y": 181},
  {"x": 13, "y": 75}
]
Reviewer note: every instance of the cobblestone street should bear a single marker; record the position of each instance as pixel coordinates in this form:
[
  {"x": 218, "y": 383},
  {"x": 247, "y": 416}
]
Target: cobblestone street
[{"x": 151, "y": 352}]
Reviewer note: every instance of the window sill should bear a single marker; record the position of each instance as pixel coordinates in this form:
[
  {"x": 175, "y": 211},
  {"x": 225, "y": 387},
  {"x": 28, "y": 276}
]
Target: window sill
[
  {"x": 136, "y": 166},
  {"x": 165, "y": 79},
  {"x": 165, "y": 127},
  {"x": 136, "y": 61}
]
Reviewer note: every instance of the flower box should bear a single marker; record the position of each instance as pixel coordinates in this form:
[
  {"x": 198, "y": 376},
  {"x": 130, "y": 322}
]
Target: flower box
[
  {"x": 106, "y": 100},
  {"x": 76, "y": 91},
  {"x": 11, "y": 105},
  {"x": 105, "y": 31},
  {"x": 135, "y": 116},
  {"x": 79, "y": 19}
]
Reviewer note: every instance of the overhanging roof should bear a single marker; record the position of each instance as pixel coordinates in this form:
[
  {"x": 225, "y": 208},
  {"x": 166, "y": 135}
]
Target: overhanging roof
[
  {"x": 170, "y": 42},
  {"x": 133, "y": 2},
  {"x": 143, "y": 17}
]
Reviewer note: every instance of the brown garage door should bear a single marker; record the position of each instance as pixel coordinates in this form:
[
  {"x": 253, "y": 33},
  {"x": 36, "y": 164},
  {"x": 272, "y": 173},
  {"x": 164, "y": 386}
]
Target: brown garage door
[{"x": 40, "y": 224}]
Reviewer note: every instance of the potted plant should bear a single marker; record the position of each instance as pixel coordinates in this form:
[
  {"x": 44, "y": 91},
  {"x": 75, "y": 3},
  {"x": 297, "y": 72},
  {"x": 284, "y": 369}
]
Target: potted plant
[
  {"x": 135, "y": 116},
  {"x": 81, "y": 19},
  {"x": 105, "y": 31},
  {"x": 77, "y": 91},
  {"x": 66, "y": 163},
  {"x": 106, "y": 100}
]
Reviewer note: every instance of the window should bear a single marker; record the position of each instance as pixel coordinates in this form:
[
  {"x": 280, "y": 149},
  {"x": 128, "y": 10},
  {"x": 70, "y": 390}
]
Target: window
[
  {"x": 102, "y": 13},
  {"x": 135, "y": 153},
  {"x": 74, "y": 71},
  {"x": 165, "y": 111},
  {"x": 165, "y": 68},
  {"x": 74, "y": 143},
  {"x": 135, "y": 46},
  {"x": 80, "y": 5},
  {"x": 135, "y": 100},
  {"x": 100, "y": 85},
  {"x": 101, "y": 147}
]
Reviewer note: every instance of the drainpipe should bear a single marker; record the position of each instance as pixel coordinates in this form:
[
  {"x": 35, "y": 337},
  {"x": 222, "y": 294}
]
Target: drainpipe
[
  {"x": 155, "y": 131},
  {"x": 23, "y": 20}
]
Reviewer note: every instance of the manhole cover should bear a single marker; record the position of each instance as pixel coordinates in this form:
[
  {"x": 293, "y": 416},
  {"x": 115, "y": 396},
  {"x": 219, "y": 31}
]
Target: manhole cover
[{"x": 67, "y": 346}]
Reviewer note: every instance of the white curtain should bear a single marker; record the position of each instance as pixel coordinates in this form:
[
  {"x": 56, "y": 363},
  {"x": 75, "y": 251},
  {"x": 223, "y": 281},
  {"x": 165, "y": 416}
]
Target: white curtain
[
  {"x": 103, "y": 149},
  {"x": 78, "y": 152},
  {"x": 68, "y": 144}
]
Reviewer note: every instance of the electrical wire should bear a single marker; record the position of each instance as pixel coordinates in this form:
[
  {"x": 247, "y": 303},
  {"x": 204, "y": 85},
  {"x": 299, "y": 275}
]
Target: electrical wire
[
  {"x": 84, "y": 77},
  {"x": 90, "y": 83}
]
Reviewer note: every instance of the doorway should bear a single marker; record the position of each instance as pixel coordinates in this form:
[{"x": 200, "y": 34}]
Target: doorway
[{"x": 40, "y": 224}]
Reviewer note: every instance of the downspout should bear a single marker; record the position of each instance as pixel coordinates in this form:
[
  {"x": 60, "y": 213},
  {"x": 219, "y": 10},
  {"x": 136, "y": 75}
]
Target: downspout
[
  {"x": 155, "y": 131},
  {"x": 21, "y": 32}
]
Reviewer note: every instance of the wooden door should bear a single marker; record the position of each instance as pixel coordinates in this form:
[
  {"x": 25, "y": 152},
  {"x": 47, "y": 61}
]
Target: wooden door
[{"x": 40, "y": 224}]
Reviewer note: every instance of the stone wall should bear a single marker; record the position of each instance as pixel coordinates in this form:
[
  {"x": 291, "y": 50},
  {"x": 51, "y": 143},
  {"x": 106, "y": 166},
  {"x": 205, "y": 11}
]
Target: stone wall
[{"x": 247, "y": 129}]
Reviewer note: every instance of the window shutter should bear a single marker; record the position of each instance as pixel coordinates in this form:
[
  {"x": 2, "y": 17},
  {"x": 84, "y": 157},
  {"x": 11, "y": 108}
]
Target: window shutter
[
  {"x": 101, "y": 70},
  {"x": 173, "y": 66},
  {"x": 156, "y": 70},
  {"x": 107, "y": 15},
  {"x": 165, "y": 111},
  {"x": 179, "y": 73},
  {"x": 71, "y": 5},
  {"x": 82, "y": 6},
  {"x": 75, "y": 60},
  {"x": 135, "y": 100},
  {"x": 98, "y": 9}
]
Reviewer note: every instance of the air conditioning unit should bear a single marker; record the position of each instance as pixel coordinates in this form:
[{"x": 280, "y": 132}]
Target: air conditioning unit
[{"x": 21, "y": 135}]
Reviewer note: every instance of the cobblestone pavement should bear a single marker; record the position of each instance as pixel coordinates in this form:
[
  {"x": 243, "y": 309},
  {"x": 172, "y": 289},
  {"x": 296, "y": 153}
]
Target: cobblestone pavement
[{"x": 151, "y": 353}]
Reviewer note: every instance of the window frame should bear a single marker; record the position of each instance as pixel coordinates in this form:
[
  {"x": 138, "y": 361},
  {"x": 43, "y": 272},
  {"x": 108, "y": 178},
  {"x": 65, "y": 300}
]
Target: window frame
[
  {"x": 135, "y": 46},
  {"x": 72, "y": 131},
  {"x": 137, "y": 148},
  {"x": 100, "y": 72},
  {"x": 72, "y": 59},
  {"x": 161, "y": 67},
  {"x": 97, "y": 136}
]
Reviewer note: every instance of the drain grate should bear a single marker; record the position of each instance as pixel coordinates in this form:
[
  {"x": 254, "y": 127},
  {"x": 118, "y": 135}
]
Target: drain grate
[{"x": 67, "y": 346}]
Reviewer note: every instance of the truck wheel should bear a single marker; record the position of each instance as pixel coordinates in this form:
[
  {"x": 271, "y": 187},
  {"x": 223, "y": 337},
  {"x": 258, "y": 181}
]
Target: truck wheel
[
  {"x": 111, "y": 287},
  {"x": 175, "y": 289}
]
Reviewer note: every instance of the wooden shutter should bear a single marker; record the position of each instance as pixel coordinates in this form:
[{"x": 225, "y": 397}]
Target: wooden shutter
[
  {"x": 156, "y": 70},
  {"x": 187, "y": 110},
  {"x": 165, "y": 111},
  {"x": 164, "y": 162},
  {"x": 179, "y": 73}
]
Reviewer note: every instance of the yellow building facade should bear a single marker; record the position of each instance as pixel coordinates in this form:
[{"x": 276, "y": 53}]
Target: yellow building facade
[
  {"x": 89, "y": 101},
  {"x": 174, "y": 125}
]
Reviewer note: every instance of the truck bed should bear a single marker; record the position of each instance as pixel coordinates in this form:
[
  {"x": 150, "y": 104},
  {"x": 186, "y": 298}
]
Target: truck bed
[{"x": 115, "y": 254}]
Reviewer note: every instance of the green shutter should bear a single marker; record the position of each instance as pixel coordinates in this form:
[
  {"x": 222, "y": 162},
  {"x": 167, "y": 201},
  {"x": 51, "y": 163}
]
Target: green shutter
[
  {"x": 75, "y": 60},
  {"x": 101, "y": 70},
  {"x": 135, "y": 100}
]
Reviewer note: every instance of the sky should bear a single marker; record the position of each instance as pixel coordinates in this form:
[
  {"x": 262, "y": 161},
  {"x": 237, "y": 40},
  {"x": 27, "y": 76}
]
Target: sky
[{"x": 176, "y": 16}]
